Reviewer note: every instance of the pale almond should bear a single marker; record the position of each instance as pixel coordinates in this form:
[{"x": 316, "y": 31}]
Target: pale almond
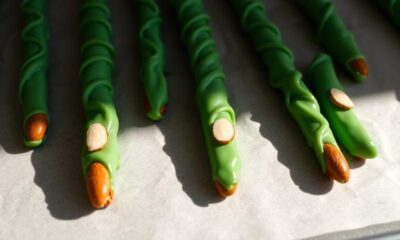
[
  {"x": 223, "y": 131},
  {"x": 340, "y": 99},
  {"x": 96, "y": 137}
]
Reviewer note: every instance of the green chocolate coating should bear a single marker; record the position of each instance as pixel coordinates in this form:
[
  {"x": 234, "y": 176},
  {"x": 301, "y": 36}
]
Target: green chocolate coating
[
  {"x": 33, "y": 84},
  {"x": 152, "y": 57},
  {"x": 300, "y": 102},
  {"x": 347, "y": 128},
  {"x": 95, "y": 73},
  {"x": 391, "y": 8},
  {"x": 211, "y": 95},
  {"x": 332, "y": 33}
]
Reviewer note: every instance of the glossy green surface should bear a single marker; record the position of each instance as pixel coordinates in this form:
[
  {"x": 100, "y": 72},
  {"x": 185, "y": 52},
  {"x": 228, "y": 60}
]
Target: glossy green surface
[
  {"x": 211, "y": 95},
  {"x": 33, "y": 83},
  {"x": 152, "y": 57},
  {"x": 333, "y": 34},
  {"x": 95, "y": 73},
  {"x": 347, "y": 128},
  {"x": 392, "y": 8},
  {"x": 283, "y": 75}
]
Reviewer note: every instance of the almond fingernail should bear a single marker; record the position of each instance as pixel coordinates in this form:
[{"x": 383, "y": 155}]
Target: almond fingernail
[
  {"x": 98, "y": 184},
  {"x": 337, "y": 167},
  {"x": 360, "y": 66},
  {"x": 223, "y": 192},
  {"x": 36, "y": 127}
]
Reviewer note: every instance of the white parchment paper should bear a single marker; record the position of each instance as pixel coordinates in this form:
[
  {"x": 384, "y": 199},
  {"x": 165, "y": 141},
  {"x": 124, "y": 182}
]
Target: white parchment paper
[{"x": 164, "y": 189}]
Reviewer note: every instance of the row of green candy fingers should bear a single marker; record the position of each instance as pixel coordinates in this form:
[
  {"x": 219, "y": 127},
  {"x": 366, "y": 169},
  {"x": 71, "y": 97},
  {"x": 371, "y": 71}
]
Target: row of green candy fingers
[
  {"x": 96, "y": 77},
  {"x": 191, "y": 13},
  {"x": 100, "y": 157},
  {"x": 332, "y": 34},
  {"x": 300, "y": 102},
  {"x": 216, "y": 114},
  {"x": 226, "y": 116}
]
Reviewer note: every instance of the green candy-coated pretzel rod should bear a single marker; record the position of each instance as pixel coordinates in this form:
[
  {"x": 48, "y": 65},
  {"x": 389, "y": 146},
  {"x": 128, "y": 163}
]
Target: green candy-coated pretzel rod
[
  {"x": 391, "y": 8},
  {"x": 345, "y": 125},
  {"x": 300, "y": 102},
  {"x": 335, "y": 38},
  {"x": 153, "y": 58},
  {"x": 211, "y": 95},
  {"x": 33, "y": 84},
  {"x": 102, "y": 121}
]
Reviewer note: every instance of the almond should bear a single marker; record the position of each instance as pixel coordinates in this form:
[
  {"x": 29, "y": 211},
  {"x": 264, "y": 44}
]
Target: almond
[
  {"x": 223, "y": 131},
  {"x": 96, "y": 137}
]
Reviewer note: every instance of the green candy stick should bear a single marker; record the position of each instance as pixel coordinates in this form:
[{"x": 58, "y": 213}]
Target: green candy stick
[
  {"x": 344, "y": 123},
  {"x": 33, "y": 84},
  {"x": 153, "y": 58},
  {"x": 391, "y": 8},
  {"x": 335, "y": 38},
  {"x": 300, "y": 102},
  {"x": 211, "y": 95},
  {"x": 95, "y": 73}
]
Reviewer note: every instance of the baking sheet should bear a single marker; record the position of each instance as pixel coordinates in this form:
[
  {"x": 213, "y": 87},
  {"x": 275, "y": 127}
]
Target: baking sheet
[{"x": 164, "y": 189}]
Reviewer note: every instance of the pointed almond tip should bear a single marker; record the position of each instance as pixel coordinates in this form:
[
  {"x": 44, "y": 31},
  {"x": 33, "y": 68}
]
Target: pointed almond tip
[
  {"x": 223, "y": 192},
  {"x": 337, "y": 167},
  {"x": 36, "y": 127},
  {"x": 360, "y": 66},
  {"x": 98, "y": 185}
]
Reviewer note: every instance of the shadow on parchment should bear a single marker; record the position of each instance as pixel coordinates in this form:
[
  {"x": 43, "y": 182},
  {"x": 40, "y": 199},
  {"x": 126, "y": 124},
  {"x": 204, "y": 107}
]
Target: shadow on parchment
[
  {"x": 181, "y": 125},
  {"x": 57, "y": 163},
  {"x": 11, "y": 135},
  {"x": 184, "y": 143},
  {"x": 271, "y": 112}
]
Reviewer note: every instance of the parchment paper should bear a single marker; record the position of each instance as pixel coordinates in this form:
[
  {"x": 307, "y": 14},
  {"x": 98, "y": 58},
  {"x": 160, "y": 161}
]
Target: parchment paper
[{"x": 164, "y": 188}]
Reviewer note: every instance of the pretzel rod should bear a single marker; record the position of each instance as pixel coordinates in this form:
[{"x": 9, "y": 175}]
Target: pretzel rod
[
  {"x": 392, "y": 9},
  {"x": 283, "y": 75},
  {"x": 100, "y": 156},
  {"x": 217, "y": 116},
  {"x": 153, "y": 59},
  {"x": 345, "y": 125},
  {"x": 33, "y": 83},
  {"x": 335, "y": 38}
]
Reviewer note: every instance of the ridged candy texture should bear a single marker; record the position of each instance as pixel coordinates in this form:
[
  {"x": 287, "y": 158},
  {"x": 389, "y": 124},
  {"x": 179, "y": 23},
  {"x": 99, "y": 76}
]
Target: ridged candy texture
[
  {"x": 300, "y": 102},
  {"x": 95, "y": 73},
  {"x": 211, "y": 95},
  {"x": 333, "y": 34},
  {"x": 152, "y": 57},
  {"x": 33, "y": 83}
]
